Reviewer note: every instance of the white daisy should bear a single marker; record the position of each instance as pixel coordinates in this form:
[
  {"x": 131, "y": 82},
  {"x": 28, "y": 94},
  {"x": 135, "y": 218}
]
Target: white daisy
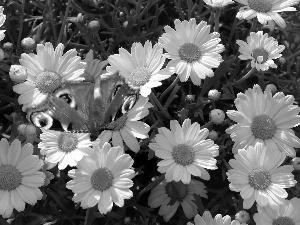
[
  {"x": 266, "y": 10},
  {"x": 170, "y": 195},
  {"x": 264, "y": 118},
  {"x": 286, "y": 214},
  {"x": 2, "y": 20},
  {"x": 218, "y": 3},
  {"x": 207, "y": 219},
  {"x": 185, "y": 151},
  {"x": 103, "y": 178},
  {"x": 256, "y": 173},
  {"x": 193, "y": 50},
  {"x": 64, "y": 148},
  {"x": 127, "y": 128},
  {"x": 261, "y": 50},
  {"x": 142, "y": 68},
  {"x": 47, "y": 71},
  {"x": 20, "y": 177}
]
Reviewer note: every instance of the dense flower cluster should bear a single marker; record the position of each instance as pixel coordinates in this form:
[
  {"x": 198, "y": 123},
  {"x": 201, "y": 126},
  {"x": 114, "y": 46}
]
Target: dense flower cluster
[{"x": 105, "y": 108}]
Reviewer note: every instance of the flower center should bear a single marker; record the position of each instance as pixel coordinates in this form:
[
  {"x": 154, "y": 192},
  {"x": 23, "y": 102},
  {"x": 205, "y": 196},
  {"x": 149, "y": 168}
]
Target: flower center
[
  {"x": 183, "y": 154},
  {"x": 138, "y": 77},
  {"x": 189, "y": 52},
  {"x": 263, "y": 127},
  {"x": 48, "y": 82},
  {"x": 260, "y": 55},
  {"x": 259, "y": 179},
  {"x": 10, "y": 177},
  {"x": 102, "y": 179},
  {"x": 176, "y": 191},
  {"x": 118, "y": 124},
  {"x": 67, "y": 142},
  {"x": 260, "y": 5},
  {"x": 283, "y": 220}
]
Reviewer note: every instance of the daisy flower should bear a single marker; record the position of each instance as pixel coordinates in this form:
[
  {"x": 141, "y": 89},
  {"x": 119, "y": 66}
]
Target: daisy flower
[
  {"x": 218, "y": 3},
  {"x": 170, "y": 195},
  {"x": 2, "y": 20},
  {"x": 261, "y": 50},
  {"x": 266, "y": 10},
  {"x": 64, "y": 148},
  {"x": 127, "y": 128},
  {"x": 264, "y": 118},
  {"x": 142, "y": 68},
  {"x": 286, "y": 214},
  {"x": 185, "y": 151},
  {"x": 193, "y": 50},
  {"x": 256, "y": 173},
  {"x": 207, "y": 219},
  {"x": 102, "y": 179},
  {"x": 20, "y": 177},
  {"x": 47, "y": 71}
]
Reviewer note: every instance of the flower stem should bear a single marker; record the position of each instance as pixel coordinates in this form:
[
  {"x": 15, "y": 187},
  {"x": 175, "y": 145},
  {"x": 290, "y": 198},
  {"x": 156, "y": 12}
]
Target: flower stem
[
  {"x": 169, "y": 88},
  {"x": 293, "y": 55},
  {"x": 246, "y": 76},
  {"x": 254, "y": 23},
  {"x": 64, "y": 22},
  {"x": 217, "y": 20},
  {"x": 21, "y": 27},
  {"x": 158, "y": 104}
]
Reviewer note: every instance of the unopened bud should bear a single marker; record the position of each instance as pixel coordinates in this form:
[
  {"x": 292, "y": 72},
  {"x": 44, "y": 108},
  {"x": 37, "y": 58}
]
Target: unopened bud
[
  {"x": 18, "y": 73},
  {"x": 213, "y": 135},
  {"x": 214, "y": 94},
  {"x": 28, "y": 44},
  {"x": 217, "y": 116}
]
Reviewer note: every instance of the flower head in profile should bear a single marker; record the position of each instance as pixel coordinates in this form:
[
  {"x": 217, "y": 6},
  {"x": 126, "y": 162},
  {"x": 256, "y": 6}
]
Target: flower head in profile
[
  {"x": 261, "y": 50},
  {"x": 185, "y": 151},
  {"x": 266, "y": 10},
  {"x": 256, "y": 173},
  {"x": 286, "y": 214},
  {"x": 128, "y": 127},
  {"x": 169, "y": 195},
  {"x": 207, "y": 219},
  {"x": 102, "y": 179},
  {"x": 20, "y": 177},
  {"x": 193, "y": 50},
  {"x": 264, "y": 118},
  {"x": 142, "y": 68},
  {"x": 47, "y": 71},
  {"x": 218, "y": 3},
  {"x": 2, "y": 20},
  {"x": 64, "y": 148}
]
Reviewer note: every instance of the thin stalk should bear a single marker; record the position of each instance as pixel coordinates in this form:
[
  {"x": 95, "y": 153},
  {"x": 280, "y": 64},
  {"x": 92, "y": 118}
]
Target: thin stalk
[
  {"x": 64, "y": 22},
  {"x": 169, "y": 88},
  {"x": 21, "y": 27},
  {"x": 161, "y": 108},
  {"x": 246, "y": 76},
  {"x": 217, "y": 20},
  {"x": 52, "y": 23},
  {"x": 254, "y": 23}
]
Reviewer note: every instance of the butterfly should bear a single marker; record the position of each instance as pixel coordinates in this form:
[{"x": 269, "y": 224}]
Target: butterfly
[{"x": 88, "y": 106}]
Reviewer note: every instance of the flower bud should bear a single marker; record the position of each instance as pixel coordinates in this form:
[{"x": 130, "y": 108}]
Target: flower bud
[
  {"x": 18, "y": 73},
  {"x": 214, "y": 95},
  {"x": 273, "y": 88},
  {"x": 8, "y": 47},
  {"x": 213, "y": 135},
  {"x": 296, "y": 163},
  {"x": 94, "y": 25},
  {"x": 242, "y": 216},
  {"x": 28, "y": 44},
  {"x": 2, "y": 54},
  {"x": 217, "y": 116}
]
